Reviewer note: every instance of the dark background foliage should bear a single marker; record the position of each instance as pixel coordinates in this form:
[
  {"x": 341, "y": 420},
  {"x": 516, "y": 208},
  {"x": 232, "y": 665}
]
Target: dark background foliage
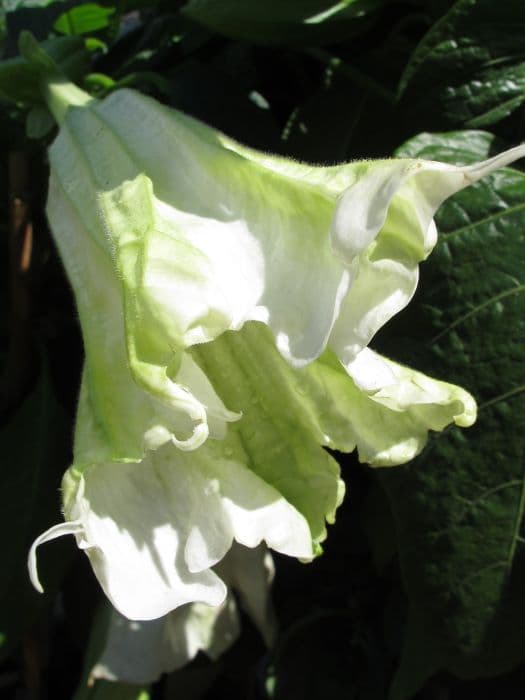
[{"x": 420, "y": 591}]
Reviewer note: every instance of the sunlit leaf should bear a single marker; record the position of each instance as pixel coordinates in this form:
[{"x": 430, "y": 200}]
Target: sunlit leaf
[
  {"x": 474, "y": 61},
  {"x": 84, "y": 19}
]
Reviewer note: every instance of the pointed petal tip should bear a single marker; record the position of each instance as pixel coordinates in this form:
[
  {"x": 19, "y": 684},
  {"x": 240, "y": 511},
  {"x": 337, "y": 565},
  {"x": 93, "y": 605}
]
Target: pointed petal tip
[{"x": 479, "y": 170}]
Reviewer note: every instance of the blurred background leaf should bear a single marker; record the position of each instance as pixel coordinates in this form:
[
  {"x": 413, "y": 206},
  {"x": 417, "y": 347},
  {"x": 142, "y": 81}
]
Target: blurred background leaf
[
  {"x": 34, "y": 454},
  {"x": 84, "y": 19},
  {"x": 37, "y": 17},
  {"x": 295, "y": 22}
]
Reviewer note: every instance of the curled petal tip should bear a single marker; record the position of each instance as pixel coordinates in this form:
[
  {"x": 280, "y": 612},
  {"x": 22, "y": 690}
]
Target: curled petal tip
[
  {"x": 68, "y": 528},
  {"x": 32, "y": 567},
  {"x": 197, "y": 438}
]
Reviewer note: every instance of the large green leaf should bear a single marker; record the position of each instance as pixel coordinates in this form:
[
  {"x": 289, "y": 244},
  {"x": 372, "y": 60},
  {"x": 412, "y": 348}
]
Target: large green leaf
[
  {"x": 459, "y": 507},
  {"x": 34, "y": 447},
  {"x": 469, "y": 70},
  {"x": 304, "y": 22}
]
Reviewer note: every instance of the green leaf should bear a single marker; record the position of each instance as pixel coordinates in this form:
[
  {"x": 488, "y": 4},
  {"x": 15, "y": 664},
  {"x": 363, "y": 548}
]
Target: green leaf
[
  {"x": 302, "y": 22},
  {"x": 39, "y": 122},
  {"x": 93, "y": 44},
  {"x": 474, "y": 61},
  {"x": 34, "y": 54},
  {"x": 459, "y": 507},
  {"x": 20, "y": 78},
  {"x": 34, "y": 451},
  {"x": 84, "y": 19},
  {"x": 3, "y": 31}
]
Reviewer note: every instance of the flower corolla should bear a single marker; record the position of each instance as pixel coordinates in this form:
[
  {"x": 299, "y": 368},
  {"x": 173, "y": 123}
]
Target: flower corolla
[
  {"x": 227, "y": 300},
  {"x": 140, "y": 651}
]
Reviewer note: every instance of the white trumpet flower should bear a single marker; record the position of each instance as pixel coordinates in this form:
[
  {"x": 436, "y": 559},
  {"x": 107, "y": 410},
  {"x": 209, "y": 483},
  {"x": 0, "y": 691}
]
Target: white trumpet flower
[{"x": 227, "y": 299}]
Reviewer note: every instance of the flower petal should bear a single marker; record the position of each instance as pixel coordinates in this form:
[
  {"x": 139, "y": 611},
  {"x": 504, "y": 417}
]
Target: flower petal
[
  {"x": 135, "y": 410},
  {"x": 195, "y": 262},
  {"x": 139, "y": 652},
  {"x": 320, "y": 255},
  {"x": 136, "y": 550},
  {"x": 250, "y": 572},
  {"x": 383, "y": 228},
  {"x": 279, "y": 437},
  {"x": 387, "y": 410},
  {"x": 154, "y": 529}
]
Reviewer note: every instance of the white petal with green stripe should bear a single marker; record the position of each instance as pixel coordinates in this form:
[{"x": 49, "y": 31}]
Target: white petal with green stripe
[{"x": 227, "y": 300}]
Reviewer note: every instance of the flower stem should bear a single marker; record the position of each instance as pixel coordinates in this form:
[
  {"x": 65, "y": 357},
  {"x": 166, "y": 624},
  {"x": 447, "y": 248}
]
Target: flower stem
[{"x": 60, "y": 94}]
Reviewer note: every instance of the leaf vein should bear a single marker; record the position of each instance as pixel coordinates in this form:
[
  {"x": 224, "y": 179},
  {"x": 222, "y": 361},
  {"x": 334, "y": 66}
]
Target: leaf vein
[
  {"x": 487, "y": 219},
  {"x": 492, "y": 300},
  {"x": 502, "y": 397}
]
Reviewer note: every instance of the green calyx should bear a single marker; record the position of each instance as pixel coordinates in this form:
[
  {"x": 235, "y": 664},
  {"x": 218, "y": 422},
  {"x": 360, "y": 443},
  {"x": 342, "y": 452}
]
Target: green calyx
[{"x": 23, "y": 79}]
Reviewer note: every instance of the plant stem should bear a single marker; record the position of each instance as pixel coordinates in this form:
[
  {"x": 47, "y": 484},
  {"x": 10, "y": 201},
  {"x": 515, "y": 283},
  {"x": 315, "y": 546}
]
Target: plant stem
[{"x": 60, "y": 95}]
